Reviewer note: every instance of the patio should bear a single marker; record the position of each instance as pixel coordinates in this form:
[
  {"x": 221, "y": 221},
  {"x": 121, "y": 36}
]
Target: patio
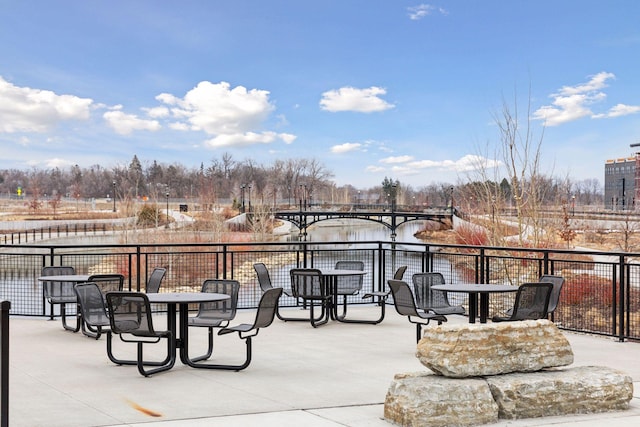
[{"x": 334, "y": 375}]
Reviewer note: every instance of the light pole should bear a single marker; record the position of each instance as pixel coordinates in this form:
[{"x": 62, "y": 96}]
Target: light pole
[
  {"x": 167, "y": 194},
  {"x": 451, "y": 198},
  {"x": 114, "y": 196},
  {"x": 289, "y": 192},
  {"x": 249, "y": 187},
  {"x": 242, "y": 187},
  {"x": 394, "y": 191},
  {"x": 573, "y": 205}
]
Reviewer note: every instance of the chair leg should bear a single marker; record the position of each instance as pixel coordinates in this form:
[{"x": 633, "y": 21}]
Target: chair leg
[
  {"x": 381, "y": 302},
  {"x": 324, "y": 314},
  {"x": 63, "y": 314},
  {"x": 117, "y": 361},
  {"x": 240, "y": 367},
  {"x": 165, "y": 367},
  {"x": 418, "y": 332},
  {"x": 209, "y": 348},
  {"x": 90, "y": 331}
]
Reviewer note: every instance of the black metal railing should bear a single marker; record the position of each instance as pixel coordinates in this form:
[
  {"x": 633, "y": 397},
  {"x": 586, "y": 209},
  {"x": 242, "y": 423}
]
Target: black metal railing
[
  {"x": 18, "y": 237},
  {"x": 601, "y": 293}
]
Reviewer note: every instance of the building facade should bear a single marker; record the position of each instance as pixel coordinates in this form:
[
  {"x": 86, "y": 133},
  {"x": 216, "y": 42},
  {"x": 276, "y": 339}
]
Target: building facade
[{"x": 622, "y": 183}]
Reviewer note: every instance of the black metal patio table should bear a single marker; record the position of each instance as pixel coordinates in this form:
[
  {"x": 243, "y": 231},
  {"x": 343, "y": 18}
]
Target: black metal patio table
[
  {"x": 181, "y": 301},
  {"x": 331, "y": 276},
  {"x": 473, "y": 290}
]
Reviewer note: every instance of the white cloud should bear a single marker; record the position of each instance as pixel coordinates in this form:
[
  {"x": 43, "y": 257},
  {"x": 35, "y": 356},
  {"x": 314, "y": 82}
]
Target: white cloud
[
  {"x": 374, "y": 169},
  {"x": 287, "y": 138},
  {"x": 24, "y": 109},
  {"x": 219, "y": 109},
  {"x": 572, "y": 102},
  {"x": 405, "y": 165},
  {"x": 58, "y": 163},
  {"x": 422, "y": 10},
  {"x": 124, "y": 123},
  {"x": 157, "y": 112},
  {"x": 618, "y": 110},
  {"x": 397, "y": 159},
  {"x": 232, "y": 116},
  {"x": 353, "y": 99},
  {"x": 346, "y": 147},
  {"x": 248, "y": 138}
]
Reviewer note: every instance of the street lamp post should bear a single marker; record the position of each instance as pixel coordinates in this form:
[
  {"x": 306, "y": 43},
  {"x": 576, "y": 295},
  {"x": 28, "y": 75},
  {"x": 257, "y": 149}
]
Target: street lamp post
[
  {"x": 242, "y": 187},
  {"x": 451, "y": 199},
  {"x": 167, "y": 194},
  {"x": 249, "y": 187},
  {"x": 114, "y": 196}
]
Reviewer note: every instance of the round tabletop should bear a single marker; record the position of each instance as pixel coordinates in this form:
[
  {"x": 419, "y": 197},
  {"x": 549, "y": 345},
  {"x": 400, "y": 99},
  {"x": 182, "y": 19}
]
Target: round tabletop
[
  {"x": 474, "y": 288},
  {"x": 75, "y": 278},
  {"x": 342, "y": 272},
  {"x": 186, "y": 297}
]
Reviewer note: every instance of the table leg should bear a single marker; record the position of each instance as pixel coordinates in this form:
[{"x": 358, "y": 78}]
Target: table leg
[
  {"x": 484, "y": 306},
  {"x": 473, "y": 307}
]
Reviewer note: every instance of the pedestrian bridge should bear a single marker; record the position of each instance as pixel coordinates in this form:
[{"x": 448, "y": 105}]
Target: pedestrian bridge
[{"x": 392, "y": 220}]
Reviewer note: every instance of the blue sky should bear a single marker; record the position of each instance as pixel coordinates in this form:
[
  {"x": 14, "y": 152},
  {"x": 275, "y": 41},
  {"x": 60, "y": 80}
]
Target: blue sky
[{"x": 370, "y": 88}]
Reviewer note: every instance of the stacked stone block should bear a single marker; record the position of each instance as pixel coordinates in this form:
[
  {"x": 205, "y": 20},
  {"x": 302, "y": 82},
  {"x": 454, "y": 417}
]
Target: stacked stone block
[{"x": 480, "y": 373}]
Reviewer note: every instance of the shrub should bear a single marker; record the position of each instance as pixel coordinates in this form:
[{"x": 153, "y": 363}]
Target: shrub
[
  {"x": 587, "y": 290},
  {"x": 471, "y": 236}
]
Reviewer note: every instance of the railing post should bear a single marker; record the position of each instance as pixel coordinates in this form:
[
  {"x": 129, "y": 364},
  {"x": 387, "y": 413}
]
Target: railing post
[
  {"x": 621, "y": 298},
  {"x": 5, "y": 306}
]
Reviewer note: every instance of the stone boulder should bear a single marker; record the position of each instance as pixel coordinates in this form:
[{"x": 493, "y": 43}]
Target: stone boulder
[
  {"x": 471, "y": 350},
  {"x": 580, "y": 390},
  {"x": 423, "y": 399}
]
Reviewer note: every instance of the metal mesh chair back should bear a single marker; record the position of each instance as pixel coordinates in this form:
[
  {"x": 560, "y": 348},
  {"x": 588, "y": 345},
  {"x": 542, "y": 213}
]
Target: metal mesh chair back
[
  {"x": 267, "y": 308},
  {"x": 349, "y": 285},
  {"x": 92, "y": 304},
  {"x": 108, "y": 282},
  {"x": 307, "y": 283},
  {"x": 399, "y": 274},
  {"x": 426, "y": 298},
  {"x": 153, "y": 285},
  {"x": 58, "y": 292},
  {"x": 557, "y": 282},
  {"x": 219, "y": 310},
  {"x": 263, "y": 276},
  {"x": 532, "y": 301},
  {"x": 130, "y": 313},
  {"x": 403, "y": 298}
]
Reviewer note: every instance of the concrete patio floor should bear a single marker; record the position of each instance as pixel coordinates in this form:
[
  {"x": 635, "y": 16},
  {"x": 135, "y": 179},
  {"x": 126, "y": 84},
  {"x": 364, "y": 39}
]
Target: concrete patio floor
[{"x": 335, "y": 375}]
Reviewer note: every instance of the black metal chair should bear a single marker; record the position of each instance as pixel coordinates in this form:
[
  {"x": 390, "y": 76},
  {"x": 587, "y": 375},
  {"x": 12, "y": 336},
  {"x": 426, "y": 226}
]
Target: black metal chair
[
  {"x": 348, "y": 285},
  {"x": 216, "y": 314},
  {"x": 264, "y": 317},
  {"x": 108, "y": 282},
  {"x": 554, "y": 299},
  {"x": 93, "y": 311},
  {"x": 130, "y": 318},
  {"x": 532, "y": 302},
  {"x": 309, "y": 285},
  {"x": 399, "y": 274},
  {"x": 61, "y": 293},
  {"x": 406, "y": 306},
  {"x": 155, "y": 280},
  {"x": 430, "y": 300},
  {"x": 264, "y": 279}
]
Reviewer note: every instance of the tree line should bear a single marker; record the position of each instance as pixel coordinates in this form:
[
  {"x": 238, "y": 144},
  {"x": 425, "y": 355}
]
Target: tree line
[{"x": 288, "y": 181}]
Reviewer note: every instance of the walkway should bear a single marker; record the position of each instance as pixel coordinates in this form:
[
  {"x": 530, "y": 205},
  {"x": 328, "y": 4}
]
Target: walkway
[{"x": 335, "y": 375}]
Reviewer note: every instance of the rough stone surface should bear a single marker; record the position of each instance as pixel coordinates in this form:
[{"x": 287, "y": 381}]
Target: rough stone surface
[
  {"x": 470, "y": 350},
  {"x": 427, "y": 400},
  {"x": 580, "y": 390}
]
